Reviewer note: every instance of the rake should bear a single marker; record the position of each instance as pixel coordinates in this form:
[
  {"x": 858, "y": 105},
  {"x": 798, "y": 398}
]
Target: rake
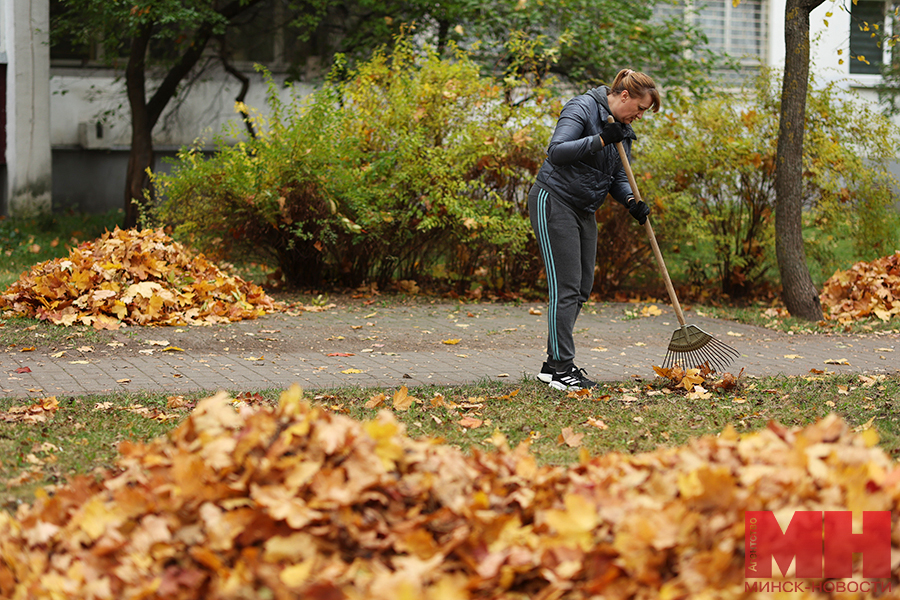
[{"x": 690, "y": 346}]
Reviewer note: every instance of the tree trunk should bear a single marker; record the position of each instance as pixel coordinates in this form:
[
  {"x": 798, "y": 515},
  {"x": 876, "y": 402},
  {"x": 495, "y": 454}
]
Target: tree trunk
[
  {"x": 800, "y": 295},
  {"x": 141, "y": 155},
  {"x": 145, "y": 113}
]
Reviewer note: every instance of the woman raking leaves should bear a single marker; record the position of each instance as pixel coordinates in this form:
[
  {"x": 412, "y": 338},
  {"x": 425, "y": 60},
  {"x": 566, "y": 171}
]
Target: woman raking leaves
[{"x": 582, "y": 167}]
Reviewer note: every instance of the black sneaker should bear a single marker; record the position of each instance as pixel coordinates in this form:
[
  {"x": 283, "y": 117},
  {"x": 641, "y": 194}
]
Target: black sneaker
[
  {"x": 571, "y": 381},
  {"x": 546, "y": 374}
]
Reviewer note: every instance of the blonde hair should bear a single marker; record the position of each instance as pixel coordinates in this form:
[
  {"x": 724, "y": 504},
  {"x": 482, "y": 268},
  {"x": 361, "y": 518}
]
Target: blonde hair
[{"x": 637, "y": 84}]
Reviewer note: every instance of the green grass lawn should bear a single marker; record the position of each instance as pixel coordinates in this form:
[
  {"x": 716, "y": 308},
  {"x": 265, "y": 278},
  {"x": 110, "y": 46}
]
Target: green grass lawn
[{"x": 83, "y": 433}]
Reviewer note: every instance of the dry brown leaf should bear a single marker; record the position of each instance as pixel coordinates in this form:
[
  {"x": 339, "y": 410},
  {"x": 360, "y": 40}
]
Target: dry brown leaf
[
  {"x": 176, "y": 402},
  {"x": 470, "y": 422},
  {"x": 598, "y": 423},
  {"x": 509, "y": 396},
  {"x": 375, "y": 401},
  {"x": 570, "y": 438}
]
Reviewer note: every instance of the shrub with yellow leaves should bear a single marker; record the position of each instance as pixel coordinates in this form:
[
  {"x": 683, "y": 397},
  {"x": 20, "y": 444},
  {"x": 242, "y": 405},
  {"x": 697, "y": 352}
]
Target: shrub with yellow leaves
[
  {"x": 138, "y": 277},
  {"x": 297, "y": 502}
]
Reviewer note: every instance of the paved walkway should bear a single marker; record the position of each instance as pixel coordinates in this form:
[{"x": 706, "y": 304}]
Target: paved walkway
[{"x": 438, "y": 344}]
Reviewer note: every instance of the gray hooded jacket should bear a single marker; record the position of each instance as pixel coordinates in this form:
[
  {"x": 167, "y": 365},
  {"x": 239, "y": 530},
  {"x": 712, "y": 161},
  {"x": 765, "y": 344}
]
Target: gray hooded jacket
[{"x": 572, "y": 172}]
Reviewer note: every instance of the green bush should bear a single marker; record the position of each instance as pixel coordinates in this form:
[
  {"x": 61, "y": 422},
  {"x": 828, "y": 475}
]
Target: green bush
[
  {"x": 264, "y": 197},
  {"x": 412, "y": 167},
  {"x": 711, "y": 166}
]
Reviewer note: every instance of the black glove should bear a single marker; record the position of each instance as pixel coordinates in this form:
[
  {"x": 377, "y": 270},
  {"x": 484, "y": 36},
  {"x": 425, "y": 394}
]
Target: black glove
[
  {"x": 612, "y": 133},
  {"x": 638, "y": 210}
]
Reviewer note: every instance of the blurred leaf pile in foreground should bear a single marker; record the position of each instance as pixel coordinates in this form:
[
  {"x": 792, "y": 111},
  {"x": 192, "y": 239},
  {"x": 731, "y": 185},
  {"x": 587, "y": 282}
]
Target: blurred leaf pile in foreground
[{"x": 296, "y": 501}]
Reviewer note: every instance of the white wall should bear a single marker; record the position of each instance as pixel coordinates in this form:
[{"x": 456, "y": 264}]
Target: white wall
[
  {"x": 80, "y": 96},
  {"x": 90, "y": 169}
]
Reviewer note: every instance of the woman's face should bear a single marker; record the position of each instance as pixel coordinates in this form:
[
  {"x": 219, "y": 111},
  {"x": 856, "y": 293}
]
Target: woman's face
[{"x": 629, "y": 108}]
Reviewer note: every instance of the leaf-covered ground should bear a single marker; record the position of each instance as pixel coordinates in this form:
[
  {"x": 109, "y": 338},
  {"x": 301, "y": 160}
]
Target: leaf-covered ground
[
  {"x": 864, "y": 290},
  {"x": 138, "y": 277},
  {"x": 299, "y": 502}
]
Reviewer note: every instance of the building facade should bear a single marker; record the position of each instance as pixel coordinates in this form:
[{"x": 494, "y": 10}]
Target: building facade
[{"x": 66, "y": 130}]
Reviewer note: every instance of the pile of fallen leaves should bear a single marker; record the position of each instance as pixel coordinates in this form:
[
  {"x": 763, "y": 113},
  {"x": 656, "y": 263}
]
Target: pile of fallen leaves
[
  {"x": 693, "y": 380},
  {"x": 138, "y": 277},
  {"x": 299, "y": 502},
  {"x": 864, "y": 290}
]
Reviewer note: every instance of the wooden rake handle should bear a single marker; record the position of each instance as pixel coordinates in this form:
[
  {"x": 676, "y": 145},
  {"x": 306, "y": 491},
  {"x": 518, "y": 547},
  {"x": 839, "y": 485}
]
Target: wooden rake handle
[{"x": 659, "y": 257}]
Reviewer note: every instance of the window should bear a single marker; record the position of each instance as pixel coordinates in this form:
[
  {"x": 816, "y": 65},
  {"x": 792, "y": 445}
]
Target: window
[
  {"x": 738, "y": 31},
  {"x": 872, "y": 23},
  {"x": 65, "y": 50}
]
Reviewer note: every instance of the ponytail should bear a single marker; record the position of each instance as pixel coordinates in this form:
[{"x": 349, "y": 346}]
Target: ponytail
[{"x": 637, "y": 84}]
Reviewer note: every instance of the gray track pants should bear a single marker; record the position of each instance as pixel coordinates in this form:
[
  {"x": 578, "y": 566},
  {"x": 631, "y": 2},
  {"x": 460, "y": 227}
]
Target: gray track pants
[{"x": 568, "y": 243}]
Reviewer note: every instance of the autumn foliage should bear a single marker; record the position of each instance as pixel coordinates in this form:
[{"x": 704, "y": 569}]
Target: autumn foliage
[
  {"x": 864, "y": 290},
  {"x": 138, "y": 277},
  {"x": 709, "y": 172},
  {"x": 298, "y": 502},
  {"x": 412, "y": 166}
]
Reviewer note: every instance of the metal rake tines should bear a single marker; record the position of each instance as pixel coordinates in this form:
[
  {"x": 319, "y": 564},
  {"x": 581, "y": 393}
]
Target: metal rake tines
[{"x": 691, "y": 348}]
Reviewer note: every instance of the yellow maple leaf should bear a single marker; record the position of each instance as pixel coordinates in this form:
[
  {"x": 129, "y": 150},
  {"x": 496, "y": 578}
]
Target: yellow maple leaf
[
  {"x": 105, "y": 322},
  {"x": 384, "y": 432},
  {"x": 95, "y": 517},
  {"x": 667, "y": 373},
  {"x": 575, "y": 524},
  {"x": 81, "y": 279},
  {"x": 155, "y": 306},
  {"x": 651, "y": 311},
  {"x": 295, "y": 546},
  {"x": 295, "y": 575},
  {"x": 699, "y": 393},
  {"x": 690, "y": 378},
  {"x": 402, "y": 400}
]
